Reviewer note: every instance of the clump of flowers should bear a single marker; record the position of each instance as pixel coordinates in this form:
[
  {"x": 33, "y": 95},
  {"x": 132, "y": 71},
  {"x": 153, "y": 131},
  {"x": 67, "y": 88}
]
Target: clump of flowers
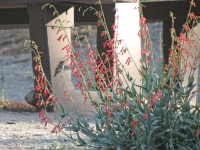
[{"x": 157, "y": 116}]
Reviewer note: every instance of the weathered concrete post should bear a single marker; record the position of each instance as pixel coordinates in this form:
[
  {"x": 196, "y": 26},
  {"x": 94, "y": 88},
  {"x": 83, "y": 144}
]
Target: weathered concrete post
[
  {"x": 128, "y": 29},
  {"x": 38, "y": 34},
  {"x": 191, "y": 58}
]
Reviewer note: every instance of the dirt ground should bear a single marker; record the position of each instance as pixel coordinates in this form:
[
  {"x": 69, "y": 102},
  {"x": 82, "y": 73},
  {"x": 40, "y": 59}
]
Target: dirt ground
[{"x": 24, "y": 131}]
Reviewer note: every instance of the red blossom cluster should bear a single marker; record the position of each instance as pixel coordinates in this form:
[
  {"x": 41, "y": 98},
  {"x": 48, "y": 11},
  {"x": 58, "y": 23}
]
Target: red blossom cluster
[{"x": 157, "y": 96}]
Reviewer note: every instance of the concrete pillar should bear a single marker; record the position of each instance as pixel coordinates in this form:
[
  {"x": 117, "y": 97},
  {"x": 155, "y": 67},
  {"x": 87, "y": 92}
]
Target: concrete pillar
[
  {"x": 56, "y": 55},
  {"x": 128, "y": 31},
  {"x": 191, "y": 60},
  {"x": 38, "y": 34}
]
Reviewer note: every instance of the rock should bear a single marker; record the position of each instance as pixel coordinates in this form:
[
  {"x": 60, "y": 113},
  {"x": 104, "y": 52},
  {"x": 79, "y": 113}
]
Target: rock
[
  {"x": 12, "y": 122},
  {"x": 30, "y": 98}
]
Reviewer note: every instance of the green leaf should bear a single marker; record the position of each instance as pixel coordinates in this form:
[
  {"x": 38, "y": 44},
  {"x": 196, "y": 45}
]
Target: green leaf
[
  {"x": 104, "y": 141},
  {"x": 133, "y": 147},
  {"x": 190, "y": 81},
  {"x": 72, "y": 128},
  {"x": 62, "y": 109},
  {"x": 149, "y": 136},
  {"x": 129, "y": 77},
  {"x": 88, "y": 132},
  {"x": 96, "y": 114},
  {"x": 191, "y": 88},
  {"x": 134, "y": 92},
  {"x": 111, "y": 136},
  {"x": 82, "y": 123},
  {"x": 189, "y": 121},
  {"x": 82, "y": 142},
  {"x": 98, "y": 127}
]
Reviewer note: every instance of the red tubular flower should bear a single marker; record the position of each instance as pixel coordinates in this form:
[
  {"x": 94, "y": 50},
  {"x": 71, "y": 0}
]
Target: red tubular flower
[
  {"x": 71, "y": 63},
  {"x": 49, "y": 98},
  {"x": 159, "y": 94},
  {"x": 99, "y": 24},
  {"x": 134, "y": 123},
  {"x": 193, "y": 4},
  {"x": 108, "y": 112},
  {"x": 103, "y": 33},
  {"x": 45, "y": 92},
  {"x": 97, "y": 14},
  {"x": 58, "y": 29},
  {"x": 192, "y": 16},
  {"x": 41, "y": 113},
  {"x": 85, "y": 97},
  {"x": 146, "y": 116},
  {"x": 75, "y": 44},
  {"x": 142, "y": 21},
  {"x": 197, "y": 132},
  {"x": 67, "y": 101},
  {"x": 43, "y": 119},
  {"x": 91, "y": 53},
  {"x": 128, "y": 61},
  {"x": 114, "y": 27},
  {"x": 109, "y": 97},
  {"x": 104, "y": 44},
  {"x": 89, "y": 84},
  {"x": 132, "y": 133},
  {"x": 59, "y": 38},
  {"x": 187, "y": 27}
]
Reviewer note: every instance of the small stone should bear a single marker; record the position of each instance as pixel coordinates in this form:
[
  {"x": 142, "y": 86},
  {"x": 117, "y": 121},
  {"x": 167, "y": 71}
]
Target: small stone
[
  {"x": 30, "y": 98},
  {"x": 37, "y": 134},
  {"x": 12, "y": 122}
]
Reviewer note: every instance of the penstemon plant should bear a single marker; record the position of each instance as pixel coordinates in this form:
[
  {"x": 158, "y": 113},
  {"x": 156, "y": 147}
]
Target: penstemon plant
[{"x": 157, "y": 116}]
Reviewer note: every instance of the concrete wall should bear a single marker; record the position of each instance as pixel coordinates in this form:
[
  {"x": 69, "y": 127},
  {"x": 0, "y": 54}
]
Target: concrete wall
[{"x": 191, "y": 60}]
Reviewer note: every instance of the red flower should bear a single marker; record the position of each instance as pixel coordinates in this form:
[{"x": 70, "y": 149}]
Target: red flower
[
  {"x": 108, "y": 112},
  {"x": 192, "y": 16},
  {"x": 142, "y": 21},
  {"x": 97, "y": 14},
  {"x": 59, "y": 38},
  {"x": 197, "y": 132},
  {"x": 132, "y": 133},
  {"x": 192, "y": 4},
  {"x": 99, "y": 24},
  {"x": 41, "y": 113},
  {"x": 134, "y": 123},
  {"x": 109, "y": 96},
  {"x": 49, "y": 98},
  {"x": 43, "y": 119},
  {"x": 187, "y": 28},
  {"x": 103, "y": 33},
  {"x": 146, "y": 116},
  {"x": 159, "y": 94},
  {"x": 71, "y": 63},
  {"x": 128, "y": 61},
  {"x": 58, "y": 29},
  {"x": 75, "y": 44},
  {"x": 114, "y": 26},
  {"x": 104, "y": 44},
  {"x": 182, "y": 37}
]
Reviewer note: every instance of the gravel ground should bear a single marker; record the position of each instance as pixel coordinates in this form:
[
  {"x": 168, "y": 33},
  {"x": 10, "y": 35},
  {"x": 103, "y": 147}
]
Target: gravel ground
[{"x": 23, "y": 131}]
